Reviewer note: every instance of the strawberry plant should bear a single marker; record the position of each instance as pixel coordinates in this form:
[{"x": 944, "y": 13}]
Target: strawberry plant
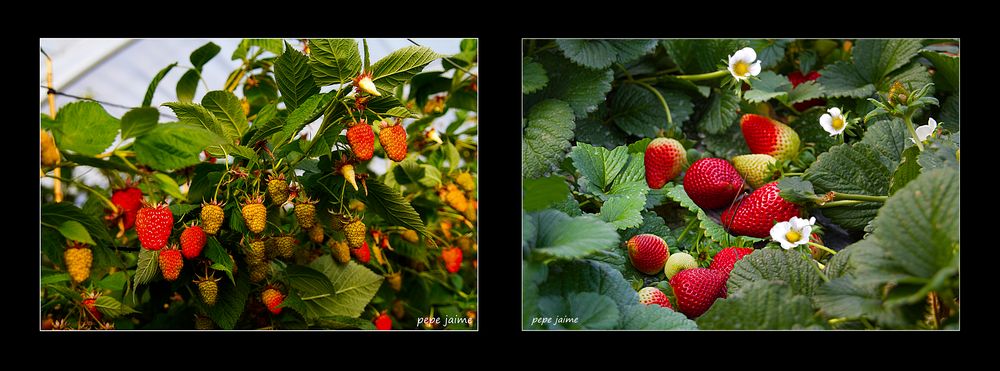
[
  {"x": 233, "y": 216},
  {"x": 794, "y": 184}
]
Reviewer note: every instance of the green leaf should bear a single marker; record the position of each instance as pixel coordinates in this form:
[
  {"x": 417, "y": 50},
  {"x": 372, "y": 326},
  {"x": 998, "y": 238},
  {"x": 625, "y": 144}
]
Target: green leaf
[
  {"x": 112, "y": 308},
  {"x": 533, "y": 77},
  {"x": 586, "y": 310},
  {"x": 762, "y": 305},
  {"x": 638, "y": 111},
  {"x": 187, "y": 86},
  {"x": 907, "y": 170},
  {"x": 199, "y": 57},
  {"x": 718, "y": 233},
  {"x": 354, "y": 287},
  {"x": 809, "y": 130},
  {"x": 726, "y": 144},
  {"x": 623, "y": 211},
  {"x": 842, "y": 79},
  {"x": 769, "y": 86},
  {"x": 334, "y": 61},
  {"x": 598, "y": 166},
  {"x": 807, "y": 60},
  {"x": 770, "y": 52},
  {"x": 947, "y": 70},
  {"x": 74, "y": 231},
  {"x": 559, "y": 236},
  {"x": 227, "y": 110},
  {"x": 854, "y": 169},
  {"x": 294, "y": 77},
  {"x": 889, "y": 137},
  {"x": 592, "y": 130},
  {"x": 582, "y": 88},
  {"x": 180, "y": 209},
  {"x": 219, "y": 257},
  {"x": 344, "y": 323},
  {"x": 676, "y": 192},
  {"x": 392, "y": 207},
  {"x": 400, "y": 65},
  {"x": 272, "y": 45},
  {"x": 654, "y": 317},
  {"x": 940, "y": 152},
  {"x": 308, "y": 280},
  {"x": 85, "y": 128},
  {"x": 398, "y": 112},
  {"x": 651, "y": 224},
  {"x": 796, "y": 190},
  {"x": 231, "y": 302},
  {"x": 148, "y": 98},
  {"x": 877, "y": 58},
  {"x": 843, "y": 297},
  {"x": 56, "y": 214},
  {"x": 139, "y": 121},
  {"x": 577, "y": 276},
  {"x": 694, "y": 56},
  {"x": 805, "y": 91},
  {"x": 173, "y": 146},
  {"x": 772, "y": 264},
  {"x": 306, "y": 113},
  {"x": 146, "y": 267},
  {"x": 598, "y": 54},
  {"x": 195, "y": 114},
  {"x": 720, "y": 113},
  {"x": 546, "y": 138},
  {"x": 950, "y": 113},
  {"x": 169, "y": 186},
  {"x": 539, "y": 193},
  {"x": 839, "y": 265}
]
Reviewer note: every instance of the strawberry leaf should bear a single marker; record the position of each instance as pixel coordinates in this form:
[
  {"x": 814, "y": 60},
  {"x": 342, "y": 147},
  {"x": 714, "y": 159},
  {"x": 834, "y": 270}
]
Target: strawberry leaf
[
  {"x": 533, "y": 77},
  {"x": 539, "y": 193},
  {"x": 598, "y": 54},
  {"x": 877, "y": 58},
  {"x": 654, "y": 317},
  {"x": 950, "y": 113},
  {"x": 694, "y": 56},
  {"x": 546, "y": 138},
  {"x": 637, "y": 111},
  {"x": 769, "y": 86},
  {"x": 842, "y": 79},
  {"x": 558, "y": 236},
  {"x": 622, "y": 211},
  {"x": 947, "y": 70},
  {"x": 761, "y": 305},
  {"x": 940, "y": 153},
  {"x": 769, "y": 264},
  {"x": 580, "y": 87},
  {"x": 907, "y": 170},
  {"x": 854, "y": 169},
  {"x": 721, "y": 112},
  {"x": 586, "y": 310}
]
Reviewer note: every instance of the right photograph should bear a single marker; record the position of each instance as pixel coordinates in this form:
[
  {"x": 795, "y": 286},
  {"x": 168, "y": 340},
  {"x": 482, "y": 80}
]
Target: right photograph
[{"x": 740, "y": 184}]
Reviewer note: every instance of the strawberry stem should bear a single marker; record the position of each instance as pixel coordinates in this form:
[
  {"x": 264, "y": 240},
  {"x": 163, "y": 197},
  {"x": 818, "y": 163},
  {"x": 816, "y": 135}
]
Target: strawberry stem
[
  {"x": 837, "y": 196},
  {"x": 704, "y": 76},
  {"x": 839, "y": 203},
  {"x": 663, "y": 102},
  {"x": 821, "y": 247},
  {"x": 908, "y": 119}
]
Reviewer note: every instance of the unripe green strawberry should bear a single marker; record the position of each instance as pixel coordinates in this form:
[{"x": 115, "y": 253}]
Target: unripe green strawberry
[
  {"x": 726, "y": 259},
  {"x": 410, "y": 236},
  {"x": 277, "y": 189},
  {"x": 285, "y": 246},
  {"x": 767, "y": 136},
  {"x": 664, "y": 159},
  {"x": 754, "y": 168},
  {"x": 171, "y": 262},
  {"x": 648, "y": 253},
  {"x": 756, "y": 213},
  {"x": 211, "y": 217},
  {"x": 652, "y": 295},
  {"x": 305, "y": 213},
  {"x": 255, "y": 252},
  {"x": 678, "y": 262},
  {"x": 355, "y": 232},
  {"x": 153, "y": 224},
  {"x": 258, "y": 272},
  {"x": 78, "y": 259},
  {"x": 393, "y": 140},
  {"x": 341, "y": 253},
  {"x": 316, "y": 233},
  {"x": 712, "y": 183},
  {"x": 272, "y": 298},
  {"x": 192, "y": 241},
  {"x": 697, "y": 289},
  {"x": 255, "y": 214},
  {"x": 203, "y": 323},
  {"x": 465, "y": 181},
  {"x": 395, "y": 281},
  {"x": 362, "y": 140},
  {"x": 208, "y": 288}
]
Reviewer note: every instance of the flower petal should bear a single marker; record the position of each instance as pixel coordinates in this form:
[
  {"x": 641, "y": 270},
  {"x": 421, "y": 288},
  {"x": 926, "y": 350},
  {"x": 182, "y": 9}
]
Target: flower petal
[
  {"x": 747, "y": 55},
  {"x": 835, "y": 111},
  {"x": 779, "y": 230},
  {"x": 755, "y": 68},
  {"x": 924, "y": 131}
]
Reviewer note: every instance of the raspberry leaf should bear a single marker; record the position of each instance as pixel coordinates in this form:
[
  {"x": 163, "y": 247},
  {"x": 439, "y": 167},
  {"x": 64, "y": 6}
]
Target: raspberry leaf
[
  {"x": 308, "y": 281},
  {"x": 75, "y": 231},
  {"x": 231, "y": 301},
  {"x": 84, "y": 127},
  {"x": 771, "y": 305},
  {"x": 173, "y": 146},
  {"x": 112, "y": 308},
  {"x": 392, "y": 207},
  {"x": 400, "y": 65},
  {"x": 354, "y": 286},
  {"x": 294, "y": 78},
  {"x": 220, "y": 259},
  {"x": 334, "y": 61},
  {"x": 139, "y": 121},
  {"x": 146, "y": 267}
]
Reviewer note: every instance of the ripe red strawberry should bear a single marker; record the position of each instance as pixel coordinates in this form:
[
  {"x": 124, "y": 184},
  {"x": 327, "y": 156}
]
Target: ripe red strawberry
[
  {"x": 767, "y": 136},
  {"x": 355, "y": 233},
  {"x": 129, "y": 201},
  {"x": 696, "y": 290},
  {"x": 452, "y": 257},
  {"x": 90, "y": 304},
  {"x": 712, "y": 183},
  {"x": 192, "y": 242},
  {"x": 78, "y": 258},
  {"x": 648, "y": 253},
  {"x": 756, "y": 214},
  {"x": 383, "y": 321},
  {"x": 363, "y": 254},
  {"x": 393, "y": 139},
  {"x": 255, "y": 214},
  {"x": 211, "y": 217},
  {"x": 362, "y": 140},
  {"x": 652, "y": 295},
  {"x": 171, "y": 262},
  {"x": 727, "y": 258},
  {"x": 665, "y": 157},
  {"x": 272, "y": 298},
  {"x": 153, "y": 225},
  {"x": 753, "y": 168},
  {"x": 797, "y": 78}
]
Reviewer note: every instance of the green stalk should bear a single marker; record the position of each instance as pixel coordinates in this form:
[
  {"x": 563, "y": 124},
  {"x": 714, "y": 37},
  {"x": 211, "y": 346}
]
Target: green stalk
[
  {"x": 821, "y": 247},
  {"x": 908, "y": 119},
  {"x": 837, "y": 196},
  {"x": 839, "y": 203},
  {"x": 703, "y": 76}
]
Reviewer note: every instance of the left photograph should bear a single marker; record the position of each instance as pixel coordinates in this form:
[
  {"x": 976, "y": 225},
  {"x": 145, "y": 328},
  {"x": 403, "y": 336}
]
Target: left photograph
[{"x": 258, "y": 184}]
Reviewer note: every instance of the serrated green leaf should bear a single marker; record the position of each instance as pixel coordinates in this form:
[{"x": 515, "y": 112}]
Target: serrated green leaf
[
  {"x": 187, "y": 86},
  {"x": 637, "y": 111},
  {"x": 718, "y": 233},
  {"x": 771, "y": 264},
  {"x": 272, "y": 45},
  {"x": 842, "y": 297},
  {"x": 907, "y": 170},
  {"x": 877, "y": 58},
  {"x": 533, "y": 77},
  {"x": 392, "y": 207},
  {"x": 726, "y": 144},
  {"x": 940, "y": 152},
  {"x": 343, "y": 323},
  {"x": 112, "y": 308},
  {"x": 400, "y": 65},
  {"x": 231, "y": 301},
  {"x": 559, "y": 236},
  {"x": 950, "y": 113},
  {"x": 840, "y": 264},
  {"x": 770, "y": 52},
  {"x": 546, "y": 138},
  {"x": 74, "y": 231},
  {"x": 651, "y": 224},
  {"x": 807, "y": 60},
  {"x": 720, "y": 113},
  {"x": 354, "y": 286},
  {"x": 146, "y": 267},
  {"x": 854, "y": 169},
  {"x": 334, "y": 61},
  {"x": 694, "y": 56},
  {"x": 947, "y": 70},
  {"x": 769, "y": 86},
  {"x": 623, "y": 211},
  {"x": 762, "y": 305},
  {"x": 85, "y": 128},
  {"x": 173, "y": 146},
  {"x": 151, "y": 89},
  {"x": 598, "y": 54},
  {"x": 568, "y": 277},
  {"x": 219, "y": 257},
  {"x": 913, "y": 76},
  {"x": 196, "y": 115},
  {"x": 169, "y": 186},
  {"x": 592, "y": 130},
  {"x": 809, "y": 130},
  {"x": 842, "y": 79},
  {"x": 199, "y": 57},
  {"x": 587, "y": 310},
  {"x": 580, "y": 87},
  {"x": 228, "y": 112},
  {"x": 306, "y": 113},
  {"x": 398, "y": 112},
  {"x": 676, "y": 192},
  {"x": 139, "y": 121},
  {"x": 805, "y": 91},
  {"x": 55, "y": 214},
  {"x": 889, "y": 137},
  {"x": 598, "y": 166},
  {"x": 795, "y": 190},
  {"x": 294, "y": 77},
  {"x": 308, "y": 280},
  {"x": 539, "y": 193}
]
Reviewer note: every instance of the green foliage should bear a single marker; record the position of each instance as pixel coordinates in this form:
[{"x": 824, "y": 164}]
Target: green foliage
[
  {"x": 334, "y": 61},
  {"x": 872, "y": 61},
  {"x": 770, "y": 264},
  {"x": 580, "y": 87},
  {"x": 546, "y": 137},
  {"x": 855, "y": 169},
  {"x": 761, "y": 305},
  {"x": 598, "y": 54},
  {"x": 84, "y": 127},
  {"x": 555, "y": 235},
  {"x": 721, "y": 112},
  {"x": 294, "y": 78}
]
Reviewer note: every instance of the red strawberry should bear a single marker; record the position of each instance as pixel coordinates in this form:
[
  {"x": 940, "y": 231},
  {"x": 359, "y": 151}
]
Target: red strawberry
[
  {"x": 756, "y": 214},
  {"x": 129, "y": 201},
  {"x": 383, "y": 322},
  {"x": 727, "y": 258},
  {"x": 272, "y": 298},
  {"x": 652, "y": 295},
  {"x": 664, "y": 159},
  {"x": 363, "y": 254},
  {"x": 696, "y": 290},
  {"x": 393, "y": 139},
  {"x": 362, "y": 140},
  {"x": 153, "y": 225},
  {"x": 767, "y": 136},
  {"x": 797, "y": 78},
  {"x": 192, "y": 241},
  {"x": 171, "y": 263},
  {"x": 452, "y": 257},
  {"x": 712, "y": 183},
  {"x": 648, "y": 253}
]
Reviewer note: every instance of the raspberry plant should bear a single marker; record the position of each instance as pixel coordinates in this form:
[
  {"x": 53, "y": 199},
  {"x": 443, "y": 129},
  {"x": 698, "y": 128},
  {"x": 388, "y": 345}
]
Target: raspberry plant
[
  {"x": 836, "y": 126},
  {"x": 283, "y": 266}
]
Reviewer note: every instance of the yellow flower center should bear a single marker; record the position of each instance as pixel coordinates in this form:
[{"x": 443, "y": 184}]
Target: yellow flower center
[
  {"x": 793, "y": 236},
  {"x": 741, "y": 68},
  {"x": 837, "y": 123}
]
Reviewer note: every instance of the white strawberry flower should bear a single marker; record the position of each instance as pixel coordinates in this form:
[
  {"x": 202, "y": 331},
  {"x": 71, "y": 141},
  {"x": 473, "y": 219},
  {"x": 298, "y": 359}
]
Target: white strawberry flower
[
  {"x": 833, "y": 121},
  {"x": 744, "y": 63},
  {"x": 794, "y": 232},
  {"x": 925, "y": 131}
]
